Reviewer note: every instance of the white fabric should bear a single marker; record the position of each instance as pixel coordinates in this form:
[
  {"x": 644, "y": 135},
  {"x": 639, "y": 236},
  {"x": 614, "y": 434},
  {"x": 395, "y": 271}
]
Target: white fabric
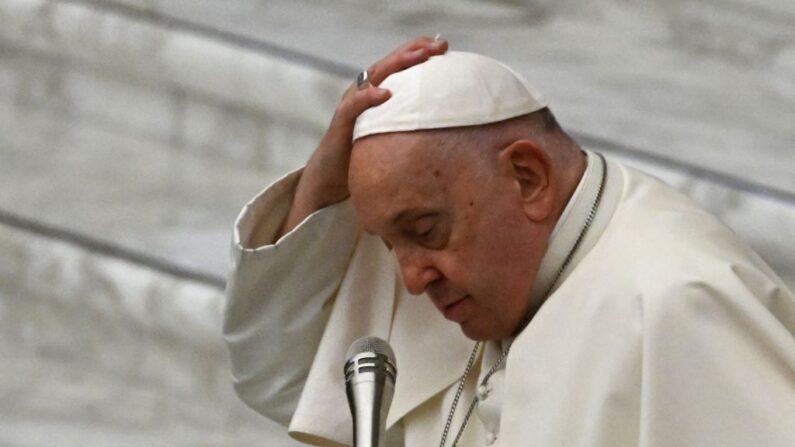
[
  {"x": 579, "y": 205},
  {"x": 283, "y": 298},
  {"x": 665, "y": 331},
  {"x": 428, "y": 96},
  {"x": 564, "y": 216}
]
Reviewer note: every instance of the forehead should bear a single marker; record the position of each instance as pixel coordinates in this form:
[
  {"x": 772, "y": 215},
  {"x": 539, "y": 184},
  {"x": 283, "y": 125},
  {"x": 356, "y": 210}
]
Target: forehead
[
  {"x": 380, "y": 157},
  {"x": 391, "y": 173}
]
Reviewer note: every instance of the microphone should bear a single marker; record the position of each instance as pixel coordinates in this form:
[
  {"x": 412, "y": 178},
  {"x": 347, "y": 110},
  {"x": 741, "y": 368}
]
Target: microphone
[{"x": 370, "y": 374}]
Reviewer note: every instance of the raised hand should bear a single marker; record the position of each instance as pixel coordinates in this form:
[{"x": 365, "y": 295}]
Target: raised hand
[{"x": 325, "y": 177}]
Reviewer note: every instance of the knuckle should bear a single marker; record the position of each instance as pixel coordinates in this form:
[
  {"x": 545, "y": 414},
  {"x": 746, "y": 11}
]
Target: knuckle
[
  {"x": 359, "y": 101},
  {"x": 372, "y": 98},
  {"x": 421, "y": 40}
]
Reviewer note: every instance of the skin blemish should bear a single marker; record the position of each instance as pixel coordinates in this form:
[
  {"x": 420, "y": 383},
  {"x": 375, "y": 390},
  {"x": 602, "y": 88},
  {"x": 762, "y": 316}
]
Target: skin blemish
[
  {"x": 471, "y": 203},
  {"x": 436, "y": 173}
]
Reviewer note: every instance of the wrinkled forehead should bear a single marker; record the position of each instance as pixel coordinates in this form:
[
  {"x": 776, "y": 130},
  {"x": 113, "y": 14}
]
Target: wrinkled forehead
[
  {"x": 394, "y": 156},
  {"x": 391, "y": 175},
  {"x": 390, "y": 172}
]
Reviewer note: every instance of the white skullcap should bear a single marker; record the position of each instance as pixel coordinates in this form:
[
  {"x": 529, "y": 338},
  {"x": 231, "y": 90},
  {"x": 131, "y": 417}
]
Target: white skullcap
[{"x": 450, "y": 90}]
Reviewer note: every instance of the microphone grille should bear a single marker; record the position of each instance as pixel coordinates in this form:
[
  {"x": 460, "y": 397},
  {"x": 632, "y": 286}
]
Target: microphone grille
[{"x": 371, "y": 344}]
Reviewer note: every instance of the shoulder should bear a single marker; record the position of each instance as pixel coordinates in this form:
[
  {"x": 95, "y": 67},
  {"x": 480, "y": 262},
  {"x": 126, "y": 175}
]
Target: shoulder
[
  {"x": 679, "y": 260},
  {"x": 662, "y": 231}
]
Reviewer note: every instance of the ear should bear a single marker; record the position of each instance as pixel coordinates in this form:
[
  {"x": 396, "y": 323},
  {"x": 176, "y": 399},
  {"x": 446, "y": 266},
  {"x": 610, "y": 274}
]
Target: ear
[{"x": 530, "y": 167}]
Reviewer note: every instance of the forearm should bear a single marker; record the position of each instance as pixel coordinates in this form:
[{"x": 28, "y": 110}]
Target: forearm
[{"x": 313, "y": 192}]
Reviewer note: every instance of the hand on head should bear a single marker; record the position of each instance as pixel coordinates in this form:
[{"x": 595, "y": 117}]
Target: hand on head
[{"x": 325, "y": 177}]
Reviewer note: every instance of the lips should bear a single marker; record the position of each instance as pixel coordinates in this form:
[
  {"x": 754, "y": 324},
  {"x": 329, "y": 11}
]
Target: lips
[{"x": 456, "y": 311}]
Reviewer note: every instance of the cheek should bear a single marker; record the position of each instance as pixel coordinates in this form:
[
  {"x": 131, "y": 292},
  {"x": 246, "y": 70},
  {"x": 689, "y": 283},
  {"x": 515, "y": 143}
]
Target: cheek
[
  {"x": 491, "y": 240},
  {"x": 505, "y": 257},
  {"x": 500, "y": 235}
]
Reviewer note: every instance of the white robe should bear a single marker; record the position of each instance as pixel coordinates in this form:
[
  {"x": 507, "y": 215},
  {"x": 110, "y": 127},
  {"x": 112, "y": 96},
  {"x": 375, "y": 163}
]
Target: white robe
[{"x": 664, "y": 330}]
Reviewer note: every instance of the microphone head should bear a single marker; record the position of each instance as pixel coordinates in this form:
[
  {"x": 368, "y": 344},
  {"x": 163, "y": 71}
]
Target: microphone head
[
  {"x": 370, "y": 355},
  {"x": 371, "y": 344}
]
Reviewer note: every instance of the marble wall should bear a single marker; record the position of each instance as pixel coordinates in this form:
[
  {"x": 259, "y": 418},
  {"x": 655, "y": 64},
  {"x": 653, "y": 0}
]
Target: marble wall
[
  {"x": 100, "y": 351},
  {"x": 707, "y": 82}
]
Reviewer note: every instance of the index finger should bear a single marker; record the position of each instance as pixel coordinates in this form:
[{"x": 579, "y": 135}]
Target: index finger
[{"x": 410, "y": 54}]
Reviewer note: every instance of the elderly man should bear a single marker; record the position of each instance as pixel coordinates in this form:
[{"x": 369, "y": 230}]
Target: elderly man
[{"x": 608, "y": 309}]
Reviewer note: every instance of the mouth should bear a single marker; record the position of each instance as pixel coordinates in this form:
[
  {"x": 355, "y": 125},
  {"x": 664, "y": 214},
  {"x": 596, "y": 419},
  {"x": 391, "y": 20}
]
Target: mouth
[{"x": 455, "y": 311}]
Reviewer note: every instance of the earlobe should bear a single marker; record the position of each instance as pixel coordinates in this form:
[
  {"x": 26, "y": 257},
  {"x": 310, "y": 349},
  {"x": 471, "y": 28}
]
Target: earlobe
[{"x": 530, "y": 168}]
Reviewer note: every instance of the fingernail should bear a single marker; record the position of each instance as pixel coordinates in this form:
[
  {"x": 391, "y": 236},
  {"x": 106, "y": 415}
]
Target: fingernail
[{"x": 437, "y": 36}]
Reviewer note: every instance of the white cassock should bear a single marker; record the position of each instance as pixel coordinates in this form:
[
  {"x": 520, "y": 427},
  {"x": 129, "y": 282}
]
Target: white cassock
[{"x": 665, "y": 330}]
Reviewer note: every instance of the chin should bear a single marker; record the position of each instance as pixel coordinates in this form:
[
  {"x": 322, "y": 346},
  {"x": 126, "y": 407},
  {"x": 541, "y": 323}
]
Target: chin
[{"x": 478, "y": 333}]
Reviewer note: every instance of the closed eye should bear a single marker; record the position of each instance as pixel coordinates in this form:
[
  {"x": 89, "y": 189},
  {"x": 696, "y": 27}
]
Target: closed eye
[
  {"x": 423, "y": 227},
  {"x": 425, "y": 233}
]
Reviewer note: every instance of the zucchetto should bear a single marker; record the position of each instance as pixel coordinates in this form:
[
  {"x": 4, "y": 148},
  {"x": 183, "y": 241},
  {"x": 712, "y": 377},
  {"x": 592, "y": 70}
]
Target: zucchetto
[{"x": 451, "y": 90}]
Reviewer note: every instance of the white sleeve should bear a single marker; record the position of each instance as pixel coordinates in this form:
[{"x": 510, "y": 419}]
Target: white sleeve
[{"x": 279, "y": 296}]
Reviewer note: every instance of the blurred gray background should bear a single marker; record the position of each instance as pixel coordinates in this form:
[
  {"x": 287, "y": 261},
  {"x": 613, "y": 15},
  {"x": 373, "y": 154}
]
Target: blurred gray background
[{"x": 133, "y": 131}]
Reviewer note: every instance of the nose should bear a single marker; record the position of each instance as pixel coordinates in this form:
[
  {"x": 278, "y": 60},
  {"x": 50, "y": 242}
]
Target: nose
[{"x": 418, "y": 270}]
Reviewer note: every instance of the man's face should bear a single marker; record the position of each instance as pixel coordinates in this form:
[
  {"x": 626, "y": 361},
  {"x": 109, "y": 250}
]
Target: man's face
[{"x": 455, "y": 223}]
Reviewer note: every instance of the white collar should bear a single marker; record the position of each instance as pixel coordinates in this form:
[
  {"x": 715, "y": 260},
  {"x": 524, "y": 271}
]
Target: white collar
[
  {"x": 565, "y": 214},
  {"x": 569, "y": 226}
]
